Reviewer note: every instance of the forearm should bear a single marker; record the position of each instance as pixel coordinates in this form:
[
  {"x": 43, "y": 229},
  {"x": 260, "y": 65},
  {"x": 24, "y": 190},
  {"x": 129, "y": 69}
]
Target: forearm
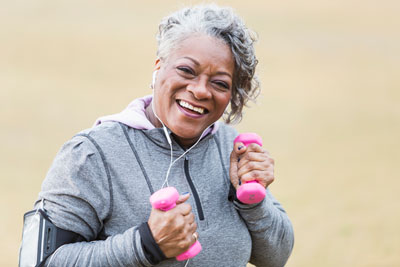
[
  {"x": 271, "y": 232},
  {"x": 117, "y": 250}
]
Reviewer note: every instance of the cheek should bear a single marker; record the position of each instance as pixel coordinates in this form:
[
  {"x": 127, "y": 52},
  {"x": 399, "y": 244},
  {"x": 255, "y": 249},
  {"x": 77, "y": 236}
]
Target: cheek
[
  {"x": 164, "y": 101},
  {"x": 168, "y": 87},
  {"x": 157, "y": 103},
  {"x": 222, "y": 103},
  {"x": 225, "y": 100}
]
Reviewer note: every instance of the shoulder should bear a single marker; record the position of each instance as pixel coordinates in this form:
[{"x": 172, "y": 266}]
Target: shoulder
[
  {"x": 105, "y": 130},
  {"x": 92, "y": 141},
  {"x": 103, "y": 135}
]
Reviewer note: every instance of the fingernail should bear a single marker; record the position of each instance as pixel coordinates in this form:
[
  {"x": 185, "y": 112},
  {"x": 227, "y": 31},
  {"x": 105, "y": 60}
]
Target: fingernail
[
  {"x": 240, "y": 147},
  {"x": 186, "y": 193},
  {"x": 240, "y": 182},
  {"x": 238, "y": 159}
]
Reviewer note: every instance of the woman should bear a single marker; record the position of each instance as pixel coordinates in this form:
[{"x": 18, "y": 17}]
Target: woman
[{"x": 100, "y": 182}]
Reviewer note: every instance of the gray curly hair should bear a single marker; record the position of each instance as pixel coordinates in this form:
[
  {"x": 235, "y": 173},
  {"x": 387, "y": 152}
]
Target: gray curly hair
[{"x": 224, "y": 24}]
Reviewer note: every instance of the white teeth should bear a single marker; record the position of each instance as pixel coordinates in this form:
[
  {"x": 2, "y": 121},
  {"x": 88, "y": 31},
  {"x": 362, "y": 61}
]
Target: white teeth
[{"x": 187, "y": 105}]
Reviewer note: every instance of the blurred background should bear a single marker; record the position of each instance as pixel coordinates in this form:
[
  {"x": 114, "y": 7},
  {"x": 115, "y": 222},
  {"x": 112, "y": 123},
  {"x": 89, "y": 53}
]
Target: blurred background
[{"x": 329, "y": 112}]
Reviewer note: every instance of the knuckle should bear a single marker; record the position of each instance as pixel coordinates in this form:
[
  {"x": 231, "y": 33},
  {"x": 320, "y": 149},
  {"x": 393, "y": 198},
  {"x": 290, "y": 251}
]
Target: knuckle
[
  {"x": 192, "y": 221},
  {"x": 187, "y": 206},
  {"x": 240, "y": 173},
  {"x": 185, "y": 232},
  {"x": 254, "y": 174},
  {"x": 189, "y": 240},
  {"x": 242, "y": 163},
  {"x": 253, "y": 146},
  {"x": 251, "y": 165},
  {"x": 245, "y": 156},
  {"x": 265, "y": 166},
  {"x": 271, "y": 179},
  {"x": 249, "y": 176},
  {"x": 182, "y": 245},
  {"x": 179, "y": 223},
  {"x": 272, "y": 161}
]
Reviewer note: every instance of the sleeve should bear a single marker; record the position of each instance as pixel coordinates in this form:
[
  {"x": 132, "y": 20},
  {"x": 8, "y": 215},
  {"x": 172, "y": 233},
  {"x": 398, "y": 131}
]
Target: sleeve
[
  {"x": 270, "y": 229},
  {"x": 77, "y": 196}
]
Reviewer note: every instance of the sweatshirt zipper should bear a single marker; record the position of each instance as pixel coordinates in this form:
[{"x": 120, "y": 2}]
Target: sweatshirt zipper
[{"x": 194, "y": 191}]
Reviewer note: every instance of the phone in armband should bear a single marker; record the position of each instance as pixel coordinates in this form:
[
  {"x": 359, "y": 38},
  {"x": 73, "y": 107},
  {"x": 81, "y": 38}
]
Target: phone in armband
[{"x": 40, "y": 238}]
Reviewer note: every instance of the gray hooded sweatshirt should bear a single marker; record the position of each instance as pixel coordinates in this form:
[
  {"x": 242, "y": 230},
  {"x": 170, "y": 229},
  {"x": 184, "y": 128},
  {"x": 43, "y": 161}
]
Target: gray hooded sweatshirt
[{"x": 100, "y": 183}]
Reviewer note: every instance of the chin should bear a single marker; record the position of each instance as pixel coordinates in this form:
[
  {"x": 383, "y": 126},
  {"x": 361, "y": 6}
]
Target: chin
[{"x": 187, "y": 132}]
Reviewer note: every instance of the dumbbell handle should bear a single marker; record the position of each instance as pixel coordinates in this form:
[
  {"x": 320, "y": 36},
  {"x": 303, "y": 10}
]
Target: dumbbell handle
[
  {"x": 165, "y": 199},
  {"x": 250, "y": 192}
]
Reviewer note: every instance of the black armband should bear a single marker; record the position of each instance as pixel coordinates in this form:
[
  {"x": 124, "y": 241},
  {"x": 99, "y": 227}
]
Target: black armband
[
  {"x": 232, "y": 195},
  {"x": 40, "y": 238}
]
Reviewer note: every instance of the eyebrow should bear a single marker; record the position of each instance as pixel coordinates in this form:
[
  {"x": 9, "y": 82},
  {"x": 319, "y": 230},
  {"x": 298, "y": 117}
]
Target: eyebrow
[{"x": 198, "y": 64}]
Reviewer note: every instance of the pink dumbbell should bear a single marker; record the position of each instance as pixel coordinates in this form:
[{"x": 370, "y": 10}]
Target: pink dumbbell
[
  {"x": 251, "y": 191},
  {"x": 165, "y": 199}
]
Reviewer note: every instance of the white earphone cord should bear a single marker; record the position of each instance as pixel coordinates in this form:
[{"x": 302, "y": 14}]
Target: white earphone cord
[{"x": 170, "y": 144}]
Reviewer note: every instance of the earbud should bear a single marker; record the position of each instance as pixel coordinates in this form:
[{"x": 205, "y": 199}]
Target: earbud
[{"x": 153, "y": 81}]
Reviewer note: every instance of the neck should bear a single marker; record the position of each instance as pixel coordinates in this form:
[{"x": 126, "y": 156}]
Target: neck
[{"x": 150, "y": 115}]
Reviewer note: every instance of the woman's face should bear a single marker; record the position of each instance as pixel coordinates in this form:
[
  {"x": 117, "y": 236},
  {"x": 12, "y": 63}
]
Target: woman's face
[{"x": 193, "y": 86}]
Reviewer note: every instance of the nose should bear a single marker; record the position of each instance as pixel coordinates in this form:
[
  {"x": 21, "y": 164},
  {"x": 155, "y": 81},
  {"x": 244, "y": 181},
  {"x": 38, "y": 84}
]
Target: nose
[{"x": 200, "y": 90}]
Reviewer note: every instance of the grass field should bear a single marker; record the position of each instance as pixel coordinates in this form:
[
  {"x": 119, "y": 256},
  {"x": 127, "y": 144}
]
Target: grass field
[{"x": 329, "y": 112}]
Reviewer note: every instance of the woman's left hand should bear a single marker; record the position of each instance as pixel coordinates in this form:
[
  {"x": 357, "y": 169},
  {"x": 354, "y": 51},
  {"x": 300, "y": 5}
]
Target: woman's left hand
[{"x": 251, "y": 163}]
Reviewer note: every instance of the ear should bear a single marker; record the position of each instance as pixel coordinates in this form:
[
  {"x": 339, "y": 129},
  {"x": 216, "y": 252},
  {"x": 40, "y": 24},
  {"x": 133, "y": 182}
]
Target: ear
[{"x": 157, "y": 65}]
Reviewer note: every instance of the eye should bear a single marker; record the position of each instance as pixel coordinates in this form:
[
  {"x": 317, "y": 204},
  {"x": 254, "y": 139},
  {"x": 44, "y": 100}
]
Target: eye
[
  {"x": 222, "y": 84},
  {"x": 186, "y": 70}
]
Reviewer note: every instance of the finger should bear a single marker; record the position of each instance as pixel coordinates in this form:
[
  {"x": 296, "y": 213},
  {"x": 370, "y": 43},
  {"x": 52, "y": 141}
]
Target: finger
[
  {"x": 255, "y": 157},
  {"x": 195, "y": 236},
  {"x": 254, "y": 147},
  {"x": 193, "y": 227},
  {"x": 190, "y": 218},
  {"x": 182, "y": 198},
  {"x": 239, "y": 148},
  {"x": 263, "y": 177},
  {"x": 252, "y": 166},
  {"x": 233, "y": 168},
  {"x": 184, "y": 209},
  {"x": 246, "y": 165}
]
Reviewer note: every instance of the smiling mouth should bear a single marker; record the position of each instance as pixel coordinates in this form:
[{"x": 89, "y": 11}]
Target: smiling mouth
[{"x": 192, "y": 108}]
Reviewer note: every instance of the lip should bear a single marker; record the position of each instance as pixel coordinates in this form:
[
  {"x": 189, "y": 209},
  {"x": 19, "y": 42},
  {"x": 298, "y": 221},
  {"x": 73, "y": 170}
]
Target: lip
[{"x": 189, "y": 114}]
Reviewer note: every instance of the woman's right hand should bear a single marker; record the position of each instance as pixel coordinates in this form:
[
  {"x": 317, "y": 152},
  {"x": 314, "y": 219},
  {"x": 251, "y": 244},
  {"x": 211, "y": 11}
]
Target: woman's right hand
[{"x": 173, "y": 229}]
